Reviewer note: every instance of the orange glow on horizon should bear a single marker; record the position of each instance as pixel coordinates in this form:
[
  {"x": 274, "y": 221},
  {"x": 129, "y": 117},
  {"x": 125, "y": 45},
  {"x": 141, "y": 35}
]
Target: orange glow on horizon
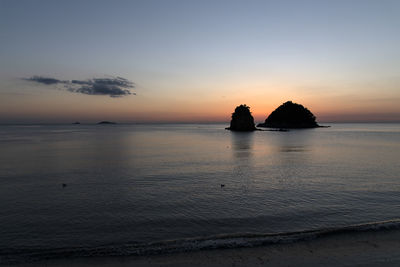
[{"x": 191, "y": 107}]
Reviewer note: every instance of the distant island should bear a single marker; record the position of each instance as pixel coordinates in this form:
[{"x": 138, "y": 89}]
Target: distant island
[
  {"x": 290, "y": 115},
  {"x": 242, "y": 120},
  {"x": 77, "y": 122},
  {"x": 107, "y": 122}
]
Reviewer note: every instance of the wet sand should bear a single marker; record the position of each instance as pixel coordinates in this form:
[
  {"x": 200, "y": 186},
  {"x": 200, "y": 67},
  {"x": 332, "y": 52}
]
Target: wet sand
[{"x": 380, "y": 248}]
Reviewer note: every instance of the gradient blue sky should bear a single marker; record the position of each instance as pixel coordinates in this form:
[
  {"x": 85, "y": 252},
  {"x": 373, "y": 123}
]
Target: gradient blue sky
[{"x": 197, "y": 60}]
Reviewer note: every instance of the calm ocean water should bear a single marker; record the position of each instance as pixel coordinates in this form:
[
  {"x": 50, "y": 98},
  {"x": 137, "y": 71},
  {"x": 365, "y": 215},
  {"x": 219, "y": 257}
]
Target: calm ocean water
[{"x": 128, "y": 185}]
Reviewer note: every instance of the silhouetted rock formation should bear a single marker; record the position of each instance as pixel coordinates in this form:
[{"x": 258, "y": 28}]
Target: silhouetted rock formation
[
  {"x": 290, "y": 115},
  {"x": 242, "y": 119},
  {"x": 107, "y": 122}
]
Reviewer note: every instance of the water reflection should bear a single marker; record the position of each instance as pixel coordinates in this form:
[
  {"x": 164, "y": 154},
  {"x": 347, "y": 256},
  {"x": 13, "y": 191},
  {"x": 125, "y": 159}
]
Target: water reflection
[
  {"x": 242, "y": 162},
  {"x": 293, "y": 157},
  {"x": 295, "y": 141},
  {"x": 242, "y": 144}
]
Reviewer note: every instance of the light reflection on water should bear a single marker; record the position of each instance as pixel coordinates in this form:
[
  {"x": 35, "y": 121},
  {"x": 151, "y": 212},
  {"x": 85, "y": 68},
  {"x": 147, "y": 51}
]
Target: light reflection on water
[{"x": 135, "y": 183}]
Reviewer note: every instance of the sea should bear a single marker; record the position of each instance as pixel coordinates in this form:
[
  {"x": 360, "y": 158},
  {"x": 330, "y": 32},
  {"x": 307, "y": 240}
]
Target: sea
[{"x": 141, "y": 189}]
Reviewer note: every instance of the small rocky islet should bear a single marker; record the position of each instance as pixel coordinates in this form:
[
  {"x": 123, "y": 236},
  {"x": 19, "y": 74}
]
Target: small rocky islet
[
  {"x": 106, "y": 122},
  {"x": 289, "y": 115},
  {"x": 242, "y": 120}
]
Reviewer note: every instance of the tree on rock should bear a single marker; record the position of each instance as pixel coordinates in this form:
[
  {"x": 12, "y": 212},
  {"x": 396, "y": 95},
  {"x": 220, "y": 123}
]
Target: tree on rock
[
  {"x": 290, "y": 115},
  {"x": 242, "y": 120}
]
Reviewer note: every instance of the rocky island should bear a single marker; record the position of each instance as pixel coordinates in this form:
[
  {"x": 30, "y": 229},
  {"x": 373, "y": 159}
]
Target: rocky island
[
  {"x": 290, "y": 115},
  {"x": 242, "y": 120},
  {"x": 107, "y": 122}
]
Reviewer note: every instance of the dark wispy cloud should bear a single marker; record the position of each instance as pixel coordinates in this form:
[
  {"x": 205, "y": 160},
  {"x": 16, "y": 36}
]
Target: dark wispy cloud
[
  {"x": 113, "y": 87},
  {"x": 44, "y": 80}
]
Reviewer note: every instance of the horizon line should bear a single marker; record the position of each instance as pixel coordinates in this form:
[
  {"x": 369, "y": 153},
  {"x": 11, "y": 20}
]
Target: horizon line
[{"x": 168, "y": 122}]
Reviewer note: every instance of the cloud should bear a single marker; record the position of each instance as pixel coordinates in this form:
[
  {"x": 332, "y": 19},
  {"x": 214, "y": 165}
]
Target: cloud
[
  {"x": 113, "y": 87},
  {"x": 44, "y": 80}
]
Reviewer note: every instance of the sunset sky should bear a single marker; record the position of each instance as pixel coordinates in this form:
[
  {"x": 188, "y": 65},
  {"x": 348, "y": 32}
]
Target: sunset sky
[{"x": 195, "y": 61}]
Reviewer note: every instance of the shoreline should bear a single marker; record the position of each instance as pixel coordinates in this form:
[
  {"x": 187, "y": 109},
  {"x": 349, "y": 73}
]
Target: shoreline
[{"x": 370, "y": 248}]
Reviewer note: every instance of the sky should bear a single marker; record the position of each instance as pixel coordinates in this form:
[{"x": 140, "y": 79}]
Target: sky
[{"x": 195, "y": 61}]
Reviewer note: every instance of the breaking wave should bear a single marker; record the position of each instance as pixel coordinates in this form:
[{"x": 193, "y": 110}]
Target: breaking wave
[{"x": 238, "y": 240}]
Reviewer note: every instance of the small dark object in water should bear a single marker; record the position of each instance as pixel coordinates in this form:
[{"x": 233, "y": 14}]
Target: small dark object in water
[
  {"x": 107, "y": 122},
  {"x": 222, "y": 185},
  {"x": 77, "y": 122},
  {"x": 64, "y": 185}
]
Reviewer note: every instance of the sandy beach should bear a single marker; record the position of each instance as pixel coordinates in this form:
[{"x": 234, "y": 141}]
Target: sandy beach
[{"x": 380, "y": 248}]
